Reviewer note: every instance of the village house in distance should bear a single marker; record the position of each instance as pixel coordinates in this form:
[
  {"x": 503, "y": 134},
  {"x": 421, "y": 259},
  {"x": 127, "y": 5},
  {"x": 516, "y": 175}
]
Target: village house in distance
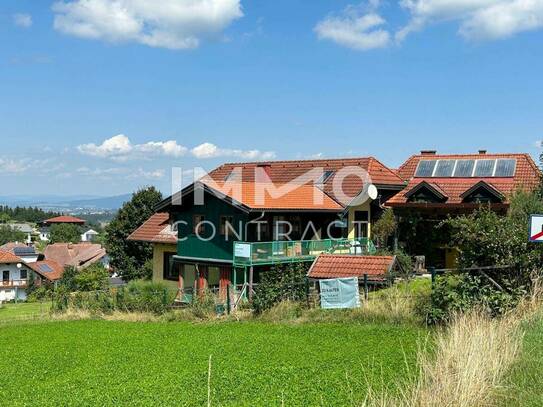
[{"x": 428, "y": 184}]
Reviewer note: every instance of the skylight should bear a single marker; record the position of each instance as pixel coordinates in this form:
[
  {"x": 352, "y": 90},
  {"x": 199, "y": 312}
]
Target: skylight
[
  {"x": 324, "y": 177},
  {"x": 483, "y": 168}
]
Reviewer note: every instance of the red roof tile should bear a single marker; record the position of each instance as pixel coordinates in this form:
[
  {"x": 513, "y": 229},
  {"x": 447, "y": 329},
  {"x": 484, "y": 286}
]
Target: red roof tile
[
  {"x": 526, "y": 177},
  {"x": 56, "y": 269},
  {"x": 64, "y": 219},
  {"x": 281, "y": 172},
  {"x": 9, "y": 258},
  {"x": 302, "y": 197},
  {"x": 338, "y": 266},
  {"x": 156, "y": 229},
  {"x": 78, "y": 255}
]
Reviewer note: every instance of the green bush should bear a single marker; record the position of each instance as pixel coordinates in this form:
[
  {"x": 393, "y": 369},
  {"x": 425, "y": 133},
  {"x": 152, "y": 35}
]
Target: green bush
[
  {"x": 144, "y": 296},
  {"x": 454, "y": 293},
  {"x": 282, "y": 282}
]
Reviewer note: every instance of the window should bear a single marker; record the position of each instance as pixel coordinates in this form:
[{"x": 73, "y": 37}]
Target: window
[
  {"x": 197, "y": 226},
  {"x": 444, "y": 168},
  {"x": 171, "y": 269},
  {"x": 362, "y": 220},
  {"x": 484, "y": 168},
  {"x": 5, "y": 275},
  {"x": 23, "y": 275},
  {"x": 213, "y": 277},
  {"x": 324, "y": 177},
  {"x": 464, "y": 168},
  {"x": 425, "y": 168},
  {"x": 226, "y": 231}
]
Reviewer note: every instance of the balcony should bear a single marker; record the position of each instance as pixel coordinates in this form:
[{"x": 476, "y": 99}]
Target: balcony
[
  {"x": 13, "y": 283},
  {"x": 262, "y": 253}
]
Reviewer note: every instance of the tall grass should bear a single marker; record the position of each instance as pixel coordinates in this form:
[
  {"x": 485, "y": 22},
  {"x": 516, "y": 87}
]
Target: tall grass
[{"x": 466, "y": 365}]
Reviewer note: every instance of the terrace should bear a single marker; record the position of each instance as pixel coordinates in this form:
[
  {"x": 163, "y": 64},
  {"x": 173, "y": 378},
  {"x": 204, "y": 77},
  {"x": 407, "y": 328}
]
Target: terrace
[
  {"x": 13, "y": 283},
  {"x": 248, "y": 254}
]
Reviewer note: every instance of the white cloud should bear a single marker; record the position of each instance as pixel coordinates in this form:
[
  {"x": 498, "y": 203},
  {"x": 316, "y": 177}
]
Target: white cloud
[
  {"x": 168, "y": 148},
  {"x": 22, "y": 20},
  {"x": 120, "y": 148},
  {"x": 13, "y": 166},
  {"x": 478, "y": 19},
  {"x": 174, "y": 24},
  {"x": 209, "y": 150},
  {"x": 355, "y": 27},
  {"x": 114, "y": 147}
]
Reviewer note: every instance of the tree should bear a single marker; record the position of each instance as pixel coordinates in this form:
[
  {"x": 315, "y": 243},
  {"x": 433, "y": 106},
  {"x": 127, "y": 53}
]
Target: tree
[
  {"x": 4, "y": 218},
  {"x": 65, "y": 233},
  {"x": 486, "y": 238},
  {"x": 8, "y": 234},
  {"x": 128, "y": 257},
  {"x": 92, "y": 278},
  {"x": 385, "y": 227}
]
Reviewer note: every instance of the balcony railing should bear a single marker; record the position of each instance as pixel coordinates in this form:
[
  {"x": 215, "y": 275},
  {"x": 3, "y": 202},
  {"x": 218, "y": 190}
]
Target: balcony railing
[
  {"x": 13, "y": 283},
  {"x": 248, "y": 254}
]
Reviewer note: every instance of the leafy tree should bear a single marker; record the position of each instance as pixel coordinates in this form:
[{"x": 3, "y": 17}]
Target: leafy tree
[
  {"x": 385, "y": 227},
  {"x": 4, "y": 218},
  {"x": 92, "y": 278},
  {"x": 282, "y": 282},
  {"x": 127, "y": 257},
  {"x": 8, "y": 234},
  {"x": 486, "y": 238},
  {"x": 65, "y": 233}
]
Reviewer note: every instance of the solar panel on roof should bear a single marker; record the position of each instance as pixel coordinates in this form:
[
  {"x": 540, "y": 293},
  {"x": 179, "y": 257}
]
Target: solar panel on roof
[
  {"x": 23, "y": 251},
  {"x": 484, "y": 168},
  {"x": 444, "y": 168},
  {"x": 45, "y": 268},
  {"x": 425, "y": 168},
  {"x": 464, "y": 168},
  {"x": 505, "y": 167}
]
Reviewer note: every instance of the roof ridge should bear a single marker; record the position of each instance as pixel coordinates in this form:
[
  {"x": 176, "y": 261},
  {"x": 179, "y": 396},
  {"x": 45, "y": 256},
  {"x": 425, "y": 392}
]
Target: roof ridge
[
  {"x": 294, "y": 161},
  {"x": 387, "y": 168}
]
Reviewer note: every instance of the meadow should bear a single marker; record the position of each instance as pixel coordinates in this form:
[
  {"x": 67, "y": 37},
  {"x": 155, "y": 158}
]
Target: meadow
[{"x": 96, "y": 362}]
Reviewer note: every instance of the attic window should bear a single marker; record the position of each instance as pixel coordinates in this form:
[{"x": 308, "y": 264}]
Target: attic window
[
  {"x": 324, "y": 177},
  {"x": 425, "y": 193},
  {"x": 482, "y": 193}
]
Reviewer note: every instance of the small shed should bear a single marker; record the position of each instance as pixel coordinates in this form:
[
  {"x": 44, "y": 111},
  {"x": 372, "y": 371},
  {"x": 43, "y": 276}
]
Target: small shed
[{"x": 342, "y": 265}]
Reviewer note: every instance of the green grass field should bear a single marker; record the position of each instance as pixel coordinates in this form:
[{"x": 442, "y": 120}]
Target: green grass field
[
  {"x": 93, "y": 362},
  {"x": 526, "y": 381},
  {"x": 23, "y": 310}
]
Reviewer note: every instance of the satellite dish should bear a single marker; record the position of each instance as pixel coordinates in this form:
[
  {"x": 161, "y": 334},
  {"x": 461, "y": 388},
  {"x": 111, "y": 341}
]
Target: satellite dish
[{"x": 372, "y": 192}]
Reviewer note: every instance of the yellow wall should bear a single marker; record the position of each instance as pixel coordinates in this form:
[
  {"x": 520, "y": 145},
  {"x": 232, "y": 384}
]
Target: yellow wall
[
  {"x": 352, "y": 227},
  {"x": 158, "y": 261}
]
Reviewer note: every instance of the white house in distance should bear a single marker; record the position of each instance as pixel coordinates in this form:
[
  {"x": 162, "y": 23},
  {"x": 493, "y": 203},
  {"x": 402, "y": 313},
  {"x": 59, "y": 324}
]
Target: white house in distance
[
  {"x": 89, "y": 236},
  {"x": 14, "y": 275},
  {"x": 64, "y": 219},
  {"x": 25, "y": 228}
]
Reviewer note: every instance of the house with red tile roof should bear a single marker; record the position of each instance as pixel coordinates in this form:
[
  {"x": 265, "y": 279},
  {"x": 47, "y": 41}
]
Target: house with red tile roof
[
  {"x": 254, "y": 209},
  {"x": 15, "y": 276},
  {"x": 441, "y": 185},
  {"x": 58, "y": 220}
]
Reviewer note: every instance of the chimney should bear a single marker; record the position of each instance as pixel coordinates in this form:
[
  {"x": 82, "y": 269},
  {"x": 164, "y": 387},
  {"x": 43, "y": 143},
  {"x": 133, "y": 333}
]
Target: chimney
[
  {"x": 262, "y": 173},
  {"x": 428, "y": 152},
  {"x": 482, "y": 152}
]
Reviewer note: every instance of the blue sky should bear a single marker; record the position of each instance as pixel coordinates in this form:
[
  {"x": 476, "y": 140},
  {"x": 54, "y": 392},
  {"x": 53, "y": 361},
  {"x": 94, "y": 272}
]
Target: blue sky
[{"x": 240, "y": 80}]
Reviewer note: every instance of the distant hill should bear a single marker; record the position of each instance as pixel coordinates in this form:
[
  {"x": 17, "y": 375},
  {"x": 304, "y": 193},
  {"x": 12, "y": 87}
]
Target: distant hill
[
  {"x": 67, "y": 203},
  {"x": 110, "y": 202}
]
